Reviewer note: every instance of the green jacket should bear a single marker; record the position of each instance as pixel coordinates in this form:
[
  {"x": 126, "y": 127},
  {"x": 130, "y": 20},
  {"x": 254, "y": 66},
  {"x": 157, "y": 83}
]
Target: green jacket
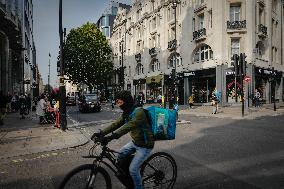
[{"x": 137, "y": 125}]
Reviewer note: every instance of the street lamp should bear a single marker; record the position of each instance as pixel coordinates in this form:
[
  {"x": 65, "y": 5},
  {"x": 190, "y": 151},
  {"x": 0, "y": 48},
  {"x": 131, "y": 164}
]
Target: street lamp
[{"x": 62, "y": 90}]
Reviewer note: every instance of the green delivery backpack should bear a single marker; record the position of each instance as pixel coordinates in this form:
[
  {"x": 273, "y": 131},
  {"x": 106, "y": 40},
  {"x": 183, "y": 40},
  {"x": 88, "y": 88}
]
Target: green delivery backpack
[{"x": 162, "y": 121}]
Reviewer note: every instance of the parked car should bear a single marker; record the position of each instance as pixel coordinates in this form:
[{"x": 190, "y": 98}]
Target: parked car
[{"x": 89, "y": 102}]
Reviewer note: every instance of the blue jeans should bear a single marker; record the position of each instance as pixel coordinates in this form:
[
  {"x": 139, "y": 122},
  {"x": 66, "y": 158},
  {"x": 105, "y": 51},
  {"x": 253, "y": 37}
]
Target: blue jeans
[{"x": 141, "y": 154}]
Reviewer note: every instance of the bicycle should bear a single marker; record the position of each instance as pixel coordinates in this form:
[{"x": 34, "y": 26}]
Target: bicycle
[{"x": 158, "y": 171}]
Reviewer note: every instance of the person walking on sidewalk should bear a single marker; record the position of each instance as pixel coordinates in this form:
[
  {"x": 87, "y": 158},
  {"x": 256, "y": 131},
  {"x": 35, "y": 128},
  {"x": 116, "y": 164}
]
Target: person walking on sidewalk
[
  {"x": 131, "y": 121},
  {"x": 190, "y": 101},
  {"x": 215, "y": 105},
  {"x": 40, "y": 109},
  {"x": 29, "y": 103},
  {"x": 3, "y": 105},
  {"x": 23, "y": 106}
]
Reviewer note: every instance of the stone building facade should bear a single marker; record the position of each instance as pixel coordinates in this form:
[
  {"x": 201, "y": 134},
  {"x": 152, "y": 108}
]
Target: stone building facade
[
  {"x": 208, "y": 33},
  {"x": 17, "y": 48}
]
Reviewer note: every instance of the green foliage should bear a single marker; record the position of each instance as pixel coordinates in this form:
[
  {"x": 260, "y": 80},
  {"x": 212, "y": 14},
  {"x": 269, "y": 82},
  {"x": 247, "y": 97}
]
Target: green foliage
[{"x": 88, "y": 56}]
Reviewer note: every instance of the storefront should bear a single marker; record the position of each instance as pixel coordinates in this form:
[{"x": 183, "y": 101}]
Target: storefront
[
  {"x": 269, "y": 83},
  {"x": 139, "y": 86},
  {"x": 200, "y": 84},
  {"x": 153, "y": 88}
]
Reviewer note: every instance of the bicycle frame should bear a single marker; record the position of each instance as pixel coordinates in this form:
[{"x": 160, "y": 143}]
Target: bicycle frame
[{"x": 108, "y": 154}]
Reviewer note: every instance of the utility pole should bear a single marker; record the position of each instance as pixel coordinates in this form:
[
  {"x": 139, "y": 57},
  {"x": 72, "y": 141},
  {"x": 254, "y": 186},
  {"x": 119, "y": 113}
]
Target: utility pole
[
  {"x": 48, "y": 80},
  {"x": 62, "y": 91},
  {"x": 174, "y": 79}
]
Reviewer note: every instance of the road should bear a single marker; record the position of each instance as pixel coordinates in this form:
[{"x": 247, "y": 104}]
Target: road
[{"x": 210, "y": 153}]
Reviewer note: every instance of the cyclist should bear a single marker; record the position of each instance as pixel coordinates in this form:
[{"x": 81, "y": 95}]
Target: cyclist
[{"x": 134, "y": 121}]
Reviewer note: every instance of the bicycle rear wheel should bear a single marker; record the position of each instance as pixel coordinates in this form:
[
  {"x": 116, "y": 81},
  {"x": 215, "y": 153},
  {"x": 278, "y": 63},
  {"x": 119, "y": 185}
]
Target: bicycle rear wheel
[
  {"x": 86, "y": 177},
  {"x": 159, "y": 171}
]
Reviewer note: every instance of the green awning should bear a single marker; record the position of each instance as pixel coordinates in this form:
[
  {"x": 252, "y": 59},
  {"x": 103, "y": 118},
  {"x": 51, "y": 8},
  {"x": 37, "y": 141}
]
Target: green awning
[{"x": 154, "y": 79}]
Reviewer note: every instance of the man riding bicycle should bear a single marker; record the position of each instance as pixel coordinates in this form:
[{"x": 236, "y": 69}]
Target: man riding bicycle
[{"x": 133, "y": 121}]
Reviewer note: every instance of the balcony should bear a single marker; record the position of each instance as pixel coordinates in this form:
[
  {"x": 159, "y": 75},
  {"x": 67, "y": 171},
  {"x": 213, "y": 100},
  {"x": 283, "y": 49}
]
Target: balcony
[
  {"x": 199, "y": 35},
  {"x": 138, "y": 57},
  {"x": 153, "y": 51},
  {"x": 262, "y": 31},
  {"x": 172, "y": 45},
  {"x": 236, "y": 25}
]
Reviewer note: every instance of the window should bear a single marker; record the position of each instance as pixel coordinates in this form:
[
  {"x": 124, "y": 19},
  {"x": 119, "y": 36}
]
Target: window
[
  {"x": 129, "y": 69},
  {"x": 171, "y": 33},
  {"x": 261, "y": 15},
  {"x": 210, "y": 19},
  {"x": 155, "y": 65},
  {"x": 138, "y": 14},
  {"x": 106, "y": 31},
  {"x": 235, "y": 12},
  {"x": 235, "y": 46},
  {"x": 139, "y": 46},
  {"x": 139, "y": 69},
  {"x": 201, "y": 21},
  {"x": 203, "y": 53},
  {"x": 152, "y": 5},
  {"x": 173, "y": 60},
  {"x": 154, "y": 23},
  {"x": 153, "y": 41}
]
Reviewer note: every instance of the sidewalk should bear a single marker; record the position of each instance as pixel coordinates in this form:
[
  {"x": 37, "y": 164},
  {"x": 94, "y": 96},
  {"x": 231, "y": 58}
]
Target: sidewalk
[
  {"x": 234, "y": 112},
  {"x": 27, "y": 136}
]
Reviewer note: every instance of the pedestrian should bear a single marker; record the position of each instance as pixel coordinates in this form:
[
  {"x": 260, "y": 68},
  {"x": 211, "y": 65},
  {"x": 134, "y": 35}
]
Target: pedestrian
[
  {"x": 112, "y": 103},
  {"x": 142, "y": 141},
  {"x": 214, "y": 104},
  {"x": 3, "y": 105},
  {"x": 22, "y": 106},
  {"x": 9, "y": 99},
  {"x": 190, "y": 101},
  {"x": 40, "y": 109},
  {"x": 257, "y": 98},
  {"x": 14, "y": 102},
  {"x": 29, "y": 103}
]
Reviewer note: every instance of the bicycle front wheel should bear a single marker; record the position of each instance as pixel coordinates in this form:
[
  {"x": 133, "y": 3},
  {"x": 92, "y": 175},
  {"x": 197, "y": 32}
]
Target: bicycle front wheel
[
  {"x": 159, "y": 171},
  {"x": 86, "y": 177}
]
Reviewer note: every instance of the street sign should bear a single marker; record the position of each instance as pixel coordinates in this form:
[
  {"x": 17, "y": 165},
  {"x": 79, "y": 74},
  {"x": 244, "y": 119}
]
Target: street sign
[{"x": 247, "y": 79}]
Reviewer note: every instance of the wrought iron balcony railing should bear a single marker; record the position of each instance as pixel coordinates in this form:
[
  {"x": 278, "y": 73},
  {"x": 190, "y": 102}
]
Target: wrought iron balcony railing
[
  {"x": 236, "y": 24},
  {"x": 262, "y": 30},
  {"x": 153, "y": 51},
  {"x": 138, "y": 57},
  {"x": 199, "y": 33},
  {"x": 172, "y": 44}
]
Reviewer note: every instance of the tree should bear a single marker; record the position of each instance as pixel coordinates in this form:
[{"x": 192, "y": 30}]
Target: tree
[{"x": 87, "y": 56}]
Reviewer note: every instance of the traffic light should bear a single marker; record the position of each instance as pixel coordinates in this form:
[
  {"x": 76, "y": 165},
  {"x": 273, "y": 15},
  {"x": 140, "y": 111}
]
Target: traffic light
[
  {"x": 243, "y": 63},
  {"x": 235, "y": 63}
]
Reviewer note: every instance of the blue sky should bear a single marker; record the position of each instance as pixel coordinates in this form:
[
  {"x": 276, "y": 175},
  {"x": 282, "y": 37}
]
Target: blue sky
[{"x": 75, "y": 13}]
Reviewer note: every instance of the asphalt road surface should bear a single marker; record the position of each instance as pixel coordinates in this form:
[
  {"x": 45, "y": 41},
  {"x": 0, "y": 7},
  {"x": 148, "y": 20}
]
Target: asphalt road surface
[{"x": 211, "y": 153}]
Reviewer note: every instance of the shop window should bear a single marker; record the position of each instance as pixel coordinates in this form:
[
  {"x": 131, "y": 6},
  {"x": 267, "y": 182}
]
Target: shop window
[
  {"x": 203, "y": 53},
  {"x": 139, "y": 69}
]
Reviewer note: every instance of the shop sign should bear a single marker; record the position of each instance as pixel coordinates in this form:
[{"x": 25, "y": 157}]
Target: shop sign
[
  {"x": 187, "y": 74},
  {"x": 230, "y": 73},
  {"x": 263, "y": 71}
]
